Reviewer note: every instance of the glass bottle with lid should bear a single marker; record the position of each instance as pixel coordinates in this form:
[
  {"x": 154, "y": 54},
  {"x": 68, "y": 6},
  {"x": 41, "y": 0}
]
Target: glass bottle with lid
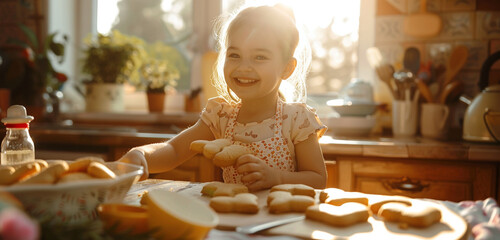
[{"x": 17, "y": 146}]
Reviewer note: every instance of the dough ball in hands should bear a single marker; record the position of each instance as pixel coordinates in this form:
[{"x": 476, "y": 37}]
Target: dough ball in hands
[
  {"x": 214, "y": 147},
  {"x": 229, "y": 154},
  {"x": 198, "y": 146}
]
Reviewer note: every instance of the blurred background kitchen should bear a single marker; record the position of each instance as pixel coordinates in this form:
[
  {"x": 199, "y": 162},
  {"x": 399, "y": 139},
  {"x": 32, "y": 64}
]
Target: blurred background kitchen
[{"x": 393, "y": 80}]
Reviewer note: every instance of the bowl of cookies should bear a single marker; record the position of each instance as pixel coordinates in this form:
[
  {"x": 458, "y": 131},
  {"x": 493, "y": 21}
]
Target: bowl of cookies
[{"x": 68, "y": 191}]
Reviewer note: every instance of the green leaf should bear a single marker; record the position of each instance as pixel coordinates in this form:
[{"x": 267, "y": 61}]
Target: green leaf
[{"x": 30, "y": 34}]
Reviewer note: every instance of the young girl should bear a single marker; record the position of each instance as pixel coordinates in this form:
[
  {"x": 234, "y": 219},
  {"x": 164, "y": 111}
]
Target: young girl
[{"x": 259, "y": 48}]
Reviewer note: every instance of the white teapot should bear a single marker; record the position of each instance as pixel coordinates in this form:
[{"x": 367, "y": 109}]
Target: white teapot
[{"x": 482, "y": 117}]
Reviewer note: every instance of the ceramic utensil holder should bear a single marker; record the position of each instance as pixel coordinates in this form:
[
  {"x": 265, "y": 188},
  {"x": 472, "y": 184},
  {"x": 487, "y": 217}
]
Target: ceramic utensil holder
[{"x": 404, "y": 118}]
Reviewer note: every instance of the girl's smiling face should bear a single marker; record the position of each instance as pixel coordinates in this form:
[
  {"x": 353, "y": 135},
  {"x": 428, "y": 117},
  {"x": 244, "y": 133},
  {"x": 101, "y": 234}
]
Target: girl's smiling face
[{"x": 254, "y": 65}]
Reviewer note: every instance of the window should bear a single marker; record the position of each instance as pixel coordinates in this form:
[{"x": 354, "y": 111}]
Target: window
[{"x": 333, "y": 28}]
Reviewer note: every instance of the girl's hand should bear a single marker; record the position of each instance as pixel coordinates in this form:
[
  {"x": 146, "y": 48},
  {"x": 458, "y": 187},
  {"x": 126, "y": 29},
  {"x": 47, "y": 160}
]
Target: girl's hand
[
  {"x": 256, "y": 174},
  {"x": 136, "y": 157}
]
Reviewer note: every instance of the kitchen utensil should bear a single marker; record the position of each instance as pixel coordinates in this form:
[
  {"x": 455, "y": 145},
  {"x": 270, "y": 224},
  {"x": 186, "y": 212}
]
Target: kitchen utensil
[
  {"x": 475, "y": 128},
  {"x": 422, "y": 24},
  {"x": 384, "y": 70},
  {"x": 411, "y": 60},
  {"x": 254, "y": 228},
  {"x": 406, "y": 84},
  {"x": 385, "y": 73},
  {"x": 451, "y": 92},
  {"x": 457, "y": 59},
  {"x": 424, "y": 90}
]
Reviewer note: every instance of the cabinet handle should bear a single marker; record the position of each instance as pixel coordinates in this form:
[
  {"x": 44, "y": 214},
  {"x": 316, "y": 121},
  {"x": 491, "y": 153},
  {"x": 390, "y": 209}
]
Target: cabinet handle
[{"x": 406, "y": 185}]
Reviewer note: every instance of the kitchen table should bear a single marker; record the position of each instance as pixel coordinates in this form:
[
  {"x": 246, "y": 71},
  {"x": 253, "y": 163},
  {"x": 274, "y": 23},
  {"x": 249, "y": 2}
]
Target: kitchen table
[
  {"x": 465, "y": 209},
  {"x": 134, "y": 196}
]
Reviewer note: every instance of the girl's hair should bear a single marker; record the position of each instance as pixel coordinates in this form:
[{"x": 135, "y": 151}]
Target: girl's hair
[{"x": 282, "y": 21}]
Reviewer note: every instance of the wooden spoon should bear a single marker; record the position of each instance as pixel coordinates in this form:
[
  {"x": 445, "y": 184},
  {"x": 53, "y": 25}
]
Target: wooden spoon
[
  {"x": 385, "y": 72},
  {"x": 451, "y": 92},
  {"x": 424, "y": 90},
  {"x": 457, "y": 59}
]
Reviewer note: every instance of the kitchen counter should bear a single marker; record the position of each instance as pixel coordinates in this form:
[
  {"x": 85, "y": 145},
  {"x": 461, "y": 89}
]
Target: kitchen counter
[
  {"x": 445, "y": 170},
  {"x": 154, "y": 128},
  {"x": 415, "y": 148}
]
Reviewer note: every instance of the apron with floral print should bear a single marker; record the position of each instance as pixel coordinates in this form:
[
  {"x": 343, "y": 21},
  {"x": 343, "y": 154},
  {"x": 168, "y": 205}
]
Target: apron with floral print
[{"x": 274, "y": 150}]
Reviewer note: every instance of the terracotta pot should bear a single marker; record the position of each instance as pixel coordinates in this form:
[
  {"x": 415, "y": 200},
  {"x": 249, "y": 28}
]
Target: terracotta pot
[{"x": 156, "y": 102}]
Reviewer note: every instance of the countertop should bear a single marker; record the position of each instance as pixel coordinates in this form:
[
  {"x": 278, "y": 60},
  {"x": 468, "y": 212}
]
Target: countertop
[{"x": 129, "y": 129}]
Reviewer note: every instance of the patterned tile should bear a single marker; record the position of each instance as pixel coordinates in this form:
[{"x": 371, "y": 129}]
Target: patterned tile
[
  {"x": 487, "y": 25},
  {"x": 431, "y": 6},
  {"x": 389, "y": 28},
  {"x": 470, "y": 80},
  {"x": 478, "y": 52},
  {"x": 458, "y": 5},
  {"x": 386, "y": 8},
  {"x": 438, "y": 53},
  {"x": 398, "y": 4},
  {"x": 457, "y": 26}
]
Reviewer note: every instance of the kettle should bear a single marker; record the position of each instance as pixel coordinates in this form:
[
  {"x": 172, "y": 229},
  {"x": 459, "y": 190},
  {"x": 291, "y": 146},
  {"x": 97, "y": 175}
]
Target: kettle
[{"x": 482, "y": 116}]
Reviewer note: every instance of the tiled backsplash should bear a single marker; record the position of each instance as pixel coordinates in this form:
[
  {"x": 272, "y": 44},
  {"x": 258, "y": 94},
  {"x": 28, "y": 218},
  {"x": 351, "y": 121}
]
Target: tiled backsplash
[{"x": 472, "y": 23}]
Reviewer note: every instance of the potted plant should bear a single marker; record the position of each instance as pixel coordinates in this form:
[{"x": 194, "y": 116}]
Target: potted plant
[
  {"x": 111, "y": 61},
  {"x": 27, "y": 71},
  {"x": 157, "y": 75}
]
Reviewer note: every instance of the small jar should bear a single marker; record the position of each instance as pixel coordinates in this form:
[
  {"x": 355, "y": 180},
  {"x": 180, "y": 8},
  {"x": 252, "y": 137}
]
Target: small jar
[{"x": 17, "y": 146}]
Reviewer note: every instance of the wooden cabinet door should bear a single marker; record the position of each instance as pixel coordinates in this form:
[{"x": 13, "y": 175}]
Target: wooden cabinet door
[{"x": 441, "y": 180}]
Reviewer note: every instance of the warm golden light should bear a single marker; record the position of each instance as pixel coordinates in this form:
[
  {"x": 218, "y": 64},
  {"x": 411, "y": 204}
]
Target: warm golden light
[{"x": 316, "y": 234}]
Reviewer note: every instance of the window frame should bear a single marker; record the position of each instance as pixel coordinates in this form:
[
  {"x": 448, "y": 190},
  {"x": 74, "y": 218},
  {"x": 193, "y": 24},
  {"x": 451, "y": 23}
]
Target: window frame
[{"x": 77, "y": 26}]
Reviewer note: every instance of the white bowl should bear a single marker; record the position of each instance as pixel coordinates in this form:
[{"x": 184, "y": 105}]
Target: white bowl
[
  {"x": 351, "y": 126},
  {"x": 76, "y": 202},
  {"x": 352, "y": 108}
]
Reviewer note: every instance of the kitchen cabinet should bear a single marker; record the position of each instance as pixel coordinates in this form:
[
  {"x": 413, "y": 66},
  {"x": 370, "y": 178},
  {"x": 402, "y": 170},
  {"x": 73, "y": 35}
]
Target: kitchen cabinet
[{"x": 441, "y": 180}]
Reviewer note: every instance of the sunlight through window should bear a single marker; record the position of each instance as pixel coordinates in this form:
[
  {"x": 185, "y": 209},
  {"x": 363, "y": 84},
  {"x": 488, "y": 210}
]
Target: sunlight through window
[{"x": 330, "y": 25}]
